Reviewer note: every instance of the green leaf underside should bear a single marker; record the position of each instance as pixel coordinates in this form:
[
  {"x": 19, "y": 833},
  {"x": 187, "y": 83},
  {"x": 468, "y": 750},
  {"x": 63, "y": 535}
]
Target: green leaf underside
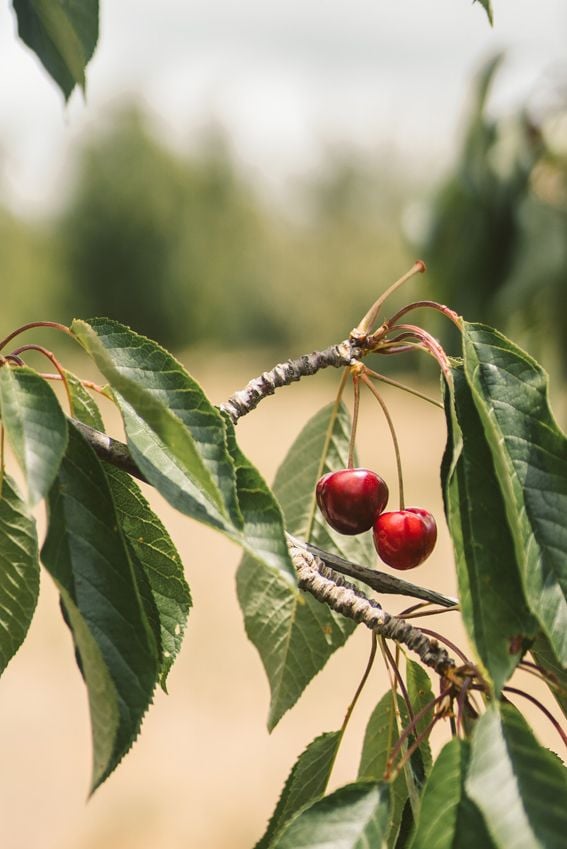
[
  {"x": 19, "y": 571},
  {"x": 35, "y": 426},
  {"x": 447, "y": 818},
  {"x": 519, "y": 787},
  {"x": 150, "y": 543},
  {"x": 88, "y": 558},
  {"x": 170, "y": 402},
  {"x": 180, "y": 443},
  {"x": 530, "y": 457},
  {"x": 353, "y": 817},
  {"x": 490, "y": 590},
  {"x": 63, "y": 34},
  {"x": 295, "y": 634},
  {"x": 306, "y": 782},
  {"x": 420, "y": 694},
  {"x": 382, "y": 732}
]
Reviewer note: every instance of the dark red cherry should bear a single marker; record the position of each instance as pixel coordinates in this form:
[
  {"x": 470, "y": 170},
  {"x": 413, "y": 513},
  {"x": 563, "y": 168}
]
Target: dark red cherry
[
  {"x": 350, "y": 499},
  {"x": 405, "y": 538}
]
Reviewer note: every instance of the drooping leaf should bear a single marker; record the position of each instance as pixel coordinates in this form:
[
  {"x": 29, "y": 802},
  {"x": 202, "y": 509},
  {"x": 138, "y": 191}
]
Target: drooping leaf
[
  {"x": 382, "y": 733},
  {"x": 171, "y": 403},
  {"x": 519, "y": 787},
  {"x": 179, "y": 440},
  {"x": 305, "y": 784},
  {"x": 420, "y": 694},
  {"x": 487, "y": 6},
  {"x": 353, "y": 817},
  {"x": 492, "y": 599},
  {"x": 530, "y": 458},
  {"x": 63, "y": 34},
  {"x": 295, "y": 635},
  {"x": 447, "y": 818},
  {"x": 19, "y": 571},
  {"x": 149, "y": 541},
  {"x": 87, "y": 556},
  {"x": 35, "y": 426},
  {"x": 160, "y": 561},
  {"x": 544, "y": 656}
]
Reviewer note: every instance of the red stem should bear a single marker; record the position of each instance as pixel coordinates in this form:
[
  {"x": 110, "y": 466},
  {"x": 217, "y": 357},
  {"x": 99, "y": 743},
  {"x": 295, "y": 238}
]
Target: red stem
[
  {"x": 54, "y": 324},
  {"x": 56, "y": 364},
  {"x": 543, "y": 709}
]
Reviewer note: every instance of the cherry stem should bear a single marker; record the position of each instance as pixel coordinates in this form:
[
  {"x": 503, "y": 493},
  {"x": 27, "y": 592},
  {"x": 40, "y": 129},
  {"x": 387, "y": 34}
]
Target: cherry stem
[
  {"x": 54, "y": 324},
  {"x": 448, "y": 643},
  {"x": 326, "y": 444},
  {"x": 363, "y": 680},
  {"x": 56, "y": 364},
  {"x": 543, "y": 674},
  {"x": 88, "y": 384},
  {"x": 542, "y": 708},
  {"x": 378, "y": 397},
  {"x": 377, "y": 376},
  {"x": 410, "y": 727},
  {"x": 394, "y": 772},
  {"x": 446, "y": 311},
  {"x": 365, "y": 326},
  {"x": 352, "y": 441},
  {"x": 431, "y": 344},
  {"x": 389, "y": 658},
  {"x": 430, "y": 612}
]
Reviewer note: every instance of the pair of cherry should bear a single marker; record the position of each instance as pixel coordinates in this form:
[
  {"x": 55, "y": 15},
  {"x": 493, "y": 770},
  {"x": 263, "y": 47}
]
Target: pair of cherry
[{"x": 353, "y": 501}]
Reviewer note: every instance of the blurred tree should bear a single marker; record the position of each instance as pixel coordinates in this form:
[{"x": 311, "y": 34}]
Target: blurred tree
[
  {"x": 495, "y": 236},
  {"x": 166, "y": 244}
]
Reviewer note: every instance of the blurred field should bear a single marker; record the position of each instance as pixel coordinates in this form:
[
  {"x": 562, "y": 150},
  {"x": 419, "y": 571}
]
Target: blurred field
[{"x": 205, "y": 774}]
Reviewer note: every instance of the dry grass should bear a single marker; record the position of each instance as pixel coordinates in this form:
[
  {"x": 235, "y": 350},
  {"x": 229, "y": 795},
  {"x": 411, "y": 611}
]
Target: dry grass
[{"x": 204, "y": 774}]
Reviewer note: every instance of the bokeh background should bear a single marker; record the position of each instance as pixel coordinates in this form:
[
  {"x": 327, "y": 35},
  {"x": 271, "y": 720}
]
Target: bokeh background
[{"x": 241, "y": 183}]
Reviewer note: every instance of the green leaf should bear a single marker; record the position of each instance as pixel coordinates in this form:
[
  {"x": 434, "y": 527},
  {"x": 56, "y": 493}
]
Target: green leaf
[
  {"x": 519, "y": 787},
  {"x": 492, "y": 600},
  {"x": 447, "y": 818},
  {"x": 35, "y": 426},
  {"x": 172, "y": 405},
  {"x": 149, "y": 542},
  {"x": 157, "y": 555},
  {"x": 353, "y": 817},
  {"x": 530, "y": 458},
  {"x": 382, "y": 732},
  {"x": 63, "y": 34},
  {"x": 88, "y": 558},
  {"x": 306, "y": 782},
  {"x": 487, "y": 6},
  {"x": 294, "y": 633},
  {"x": 420, "y": 694},
  {"x": 544, "y": 656},
  {"x": 19, "y": 571}
]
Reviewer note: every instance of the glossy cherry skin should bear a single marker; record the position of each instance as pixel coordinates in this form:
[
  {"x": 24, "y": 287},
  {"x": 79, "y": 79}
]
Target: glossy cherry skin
[
  {"x": 351, "y": 499},
  {"x": 405, "y": 538}
]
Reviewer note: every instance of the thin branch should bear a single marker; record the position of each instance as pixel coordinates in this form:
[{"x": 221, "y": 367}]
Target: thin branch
[
  {"x": 109, "y": 450},
  {"x": 381, "y": 582},
  {"x": 337, "y": 356}
]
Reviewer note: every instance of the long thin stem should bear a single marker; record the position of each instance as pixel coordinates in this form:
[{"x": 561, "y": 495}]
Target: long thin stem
[
  {"x": 391, "y": 382},
  {"x": 87, "y": 384},
  {"x": 410, "y": 727},
  {"x": 448, "y": 643},
  {"x": 53, "y": 359},
  {"x": 542, "y": 708},
  {"x": 446, "y": 311},
  {"x": 365, "y": 326},
  {"x": 363, "y": 680},
  {"x": 393, "y": 435},
  {"x": 326, "y": 443},
  {"x": 54, "y": 324},
  {"x": 356, "y": 408},
  {"x": 395, "y": 669},
  {"x": 431, "y": 344}
]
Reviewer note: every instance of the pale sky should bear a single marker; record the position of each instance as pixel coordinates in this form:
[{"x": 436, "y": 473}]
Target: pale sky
[{"x": 284, "y": 77}]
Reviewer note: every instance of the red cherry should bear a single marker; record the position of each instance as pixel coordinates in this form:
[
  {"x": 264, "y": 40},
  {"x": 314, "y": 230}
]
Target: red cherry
[
  {"x": 351, "y": 499},
  {"x": 405, "y": 538}
]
